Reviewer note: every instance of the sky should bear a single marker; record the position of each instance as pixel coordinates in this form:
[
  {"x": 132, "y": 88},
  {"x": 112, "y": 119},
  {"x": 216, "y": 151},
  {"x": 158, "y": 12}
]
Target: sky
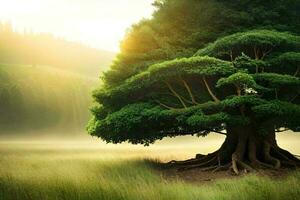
[{"x": 98, "y": 23}]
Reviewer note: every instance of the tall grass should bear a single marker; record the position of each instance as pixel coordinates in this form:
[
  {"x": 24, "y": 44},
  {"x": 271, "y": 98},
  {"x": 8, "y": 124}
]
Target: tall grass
[{"x": 30, "y": 171}]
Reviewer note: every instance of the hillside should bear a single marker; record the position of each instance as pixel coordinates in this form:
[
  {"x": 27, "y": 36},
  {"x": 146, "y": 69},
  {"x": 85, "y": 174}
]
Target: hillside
[
  {"x": 39, "y": 97},
  {"x": 34, "y": 49},
  {"x": 46, "y": 82}
]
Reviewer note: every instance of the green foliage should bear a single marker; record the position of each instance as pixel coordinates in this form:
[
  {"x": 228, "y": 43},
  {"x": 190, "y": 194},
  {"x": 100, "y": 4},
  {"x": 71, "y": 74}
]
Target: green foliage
[
  {"x": 273, "y": 80},
  {"x": 256, "y": 44},
  {"x": 180, "y": 28},
  {"x": 283, "y": 114},
  {"x": 237, "y": 101},
  {"x": 144, "y": 122},
  {"x": 288, "y": 63},
  {"x": 244, "y": 62},
  {"x": 137, "y": 87},
  {"x": 244, "y": 74},
  {"x": 238, "y": 79}
]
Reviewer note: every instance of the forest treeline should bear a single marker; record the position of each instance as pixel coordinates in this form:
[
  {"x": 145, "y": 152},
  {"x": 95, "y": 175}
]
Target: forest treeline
[
  {"x": 43, "y": 99},
  {"x": 45, "y": 82},
  {"x": 28, "y": 48}
]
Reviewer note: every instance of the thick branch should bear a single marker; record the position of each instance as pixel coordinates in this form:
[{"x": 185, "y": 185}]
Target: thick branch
[
  {"x": 164, "y": 105},
  {"x": 266, "y": 53},
  {"x": 276, "y": 93},
  {"x": 295, "y": 97},
  {"x": 256, "y": 68},
  {"x": 183, "y": 98},
  {"x": 238, "y": 90},
  {"x": 231, "y": 56},
  {"x": 256, "y": 53},
  {"x": 297, "y": 71},
  {"x": 279, "y": 131},
  {"x": 209, "y": 90},
  {"x": 186, "y": 100},
  {"x": 219, "y": 132},
  {"x": 176, "y": 94},
  {"x": 189, "y": 90}
]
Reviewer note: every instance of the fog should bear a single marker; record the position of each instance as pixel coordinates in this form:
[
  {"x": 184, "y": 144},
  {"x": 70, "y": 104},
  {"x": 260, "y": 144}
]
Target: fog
[
  {"x": 43, "y": 99},
  {"x": 45, "y": 94},
  {"x": 44, "y": 104}
]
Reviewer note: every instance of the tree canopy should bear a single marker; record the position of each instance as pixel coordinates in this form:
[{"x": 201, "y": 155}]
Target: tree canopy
[
  {"x": 244, "y": 80},
  {"x": 181, "y": 28},
  {"x": 171, "y": 89}
]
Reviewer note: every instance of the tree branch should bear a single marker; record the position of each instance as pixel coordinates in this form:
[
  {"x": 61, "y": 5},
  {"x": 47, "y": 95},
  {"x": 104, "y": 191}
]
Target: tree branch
[
  {"x": 219, "y": 132},
  {"x": 175, "y": 94},
  {"x": 279, "y": 131},
  {"x": 295, "y": 97},
  {"x": 266, "y": 53},
  {"x": 164, "y": 105},
  {"x": 256, "y": 53},
  {"x": 189, "y": 90},
  {"x": 186, "y": 100},
  {"x": 256, "y": 68},
  {"x": 276, "y": 93},
  {"x": 238, "y": 90},
  {"x": 183, "y": 98},
  {"x": 297, "y": 71},
  {"x": 209, "y": 90},
  {"x": 231, "y": 55}
]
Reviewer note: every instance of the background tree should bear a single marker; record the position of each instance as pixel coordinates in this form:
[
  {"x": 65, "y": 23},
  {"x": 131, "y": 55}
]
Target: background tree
[
  {"x": 36, "y": 70},
  {"x": 244, "y": 85}
]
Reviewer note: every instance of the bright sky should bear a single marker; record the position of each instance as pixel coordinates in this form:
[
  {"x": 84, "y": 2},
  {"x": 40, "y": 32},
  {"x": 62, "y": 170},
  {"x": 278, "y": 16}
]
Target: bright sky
[{"x": 98, "y": 23}]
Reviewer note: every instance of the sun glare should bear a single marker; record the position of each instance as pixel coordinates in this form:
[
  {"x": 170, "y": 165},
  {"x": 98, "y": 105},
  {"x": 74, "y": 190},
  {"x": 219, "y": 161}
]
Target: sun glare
[{"x": 100, "y": 24}]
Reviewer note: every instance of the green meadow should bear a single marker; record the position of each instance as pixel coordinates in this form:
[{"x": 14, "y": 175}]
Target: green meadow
[{"x": 88, "y": 169}]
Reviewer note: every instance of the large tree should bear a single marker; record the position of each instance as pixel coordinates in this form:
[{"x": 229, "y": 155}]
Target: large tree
[
  {"x": 244, "y": 85},
  {"x": 179, "y": 28}
]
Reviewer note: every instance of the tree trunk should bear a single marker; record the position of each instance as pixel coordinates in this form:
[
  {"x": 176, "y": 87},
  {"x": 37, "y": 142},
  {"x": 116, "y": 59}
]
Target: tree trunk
[{"x": 243, "y": 149}]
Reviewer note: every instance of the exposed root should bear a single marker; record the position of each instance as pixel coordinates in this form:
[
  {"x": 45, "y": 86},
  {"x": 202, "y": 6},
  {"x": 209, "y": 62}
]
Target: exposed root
[
  {"x": 242, "y": 151},
  {"x": 289, "y": 156},
  {"x": 198, "y": 160},
  {"x": 209, "y": 168},
  {"x": 183, "y": 162},
  {"x": 286, "y": 158},
  {"x": 212, "y": 161},
  {"x": 234, "y": 164},
  {"x": 238, "y": 163},
  {"x": 270, "y": 159},
  {"x": 246, "y": 167},
  {"x": 223, "y": 167}
]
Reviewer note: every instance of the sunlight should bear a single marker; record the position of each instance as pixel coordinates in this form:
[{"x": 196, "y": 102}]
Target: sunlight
[{"x": 99, "y": 24}]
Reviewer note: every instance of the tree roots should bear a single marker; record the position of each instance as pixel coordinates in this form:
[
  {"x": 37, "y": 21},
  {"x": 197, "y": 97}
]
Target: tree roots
[{"x": 249, "y": 155}]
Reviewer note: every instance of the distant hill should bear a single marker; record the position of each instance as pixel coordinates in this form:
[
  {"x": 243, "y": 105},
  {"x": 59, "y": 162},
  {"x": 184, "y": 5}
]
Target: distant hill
[
  {"x": 44, "y": 49},
  {"x": 36, "y": 98},
  {"x": 46, "y": 82}
]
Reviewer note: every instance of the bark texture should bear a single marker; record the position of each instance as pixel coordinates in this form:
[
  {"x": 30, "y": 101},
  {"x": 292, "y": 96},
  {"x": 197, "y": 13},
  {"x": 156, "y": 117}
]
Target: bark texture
[{"x": 244, "y": 150}]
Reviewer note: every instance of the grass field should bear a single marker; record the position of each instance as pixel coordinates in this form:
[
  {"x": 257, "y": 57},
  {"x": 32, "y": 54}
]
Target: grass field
[{"x": 91, "y": 170}]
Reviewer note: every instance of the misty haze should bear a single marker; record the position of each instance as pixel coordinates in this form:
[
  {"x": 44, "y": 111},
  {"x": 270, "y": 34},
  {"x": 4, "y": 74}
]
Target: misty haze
[{"x": 144, "y": 99}]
